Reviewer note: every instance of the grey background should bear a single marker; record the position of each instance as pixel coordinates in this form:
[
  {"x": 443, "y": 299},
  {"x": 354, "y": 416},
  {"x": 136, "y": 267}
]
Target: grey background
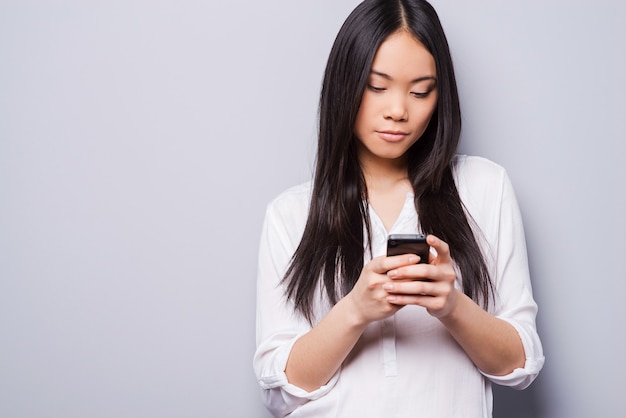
[{"x": 141, "y": 140}]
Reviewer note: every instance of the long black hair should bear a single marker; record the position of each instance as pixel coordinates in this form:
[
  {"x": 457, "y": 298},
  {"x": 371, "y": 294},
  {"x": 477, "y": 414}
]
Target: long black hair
[{"x": 331, "y": 252}]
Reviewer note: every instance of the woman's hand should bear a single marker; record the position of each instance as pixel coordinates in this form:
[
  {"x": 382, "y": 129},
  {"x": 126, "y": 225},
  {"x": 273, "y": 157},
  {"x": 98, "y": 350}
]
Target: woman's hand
[
  {"x": 318, "y": 354},
  {"x": 491, "y": 343},
  {"x": 369, "y": 298},
  {"x": 428, "y": 285}
]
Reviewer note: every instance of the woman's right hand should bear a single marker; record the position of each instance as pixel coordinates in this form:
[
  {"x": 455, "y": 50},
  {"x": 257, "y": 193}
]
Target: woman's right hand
[{"x": 367, "y": 298}]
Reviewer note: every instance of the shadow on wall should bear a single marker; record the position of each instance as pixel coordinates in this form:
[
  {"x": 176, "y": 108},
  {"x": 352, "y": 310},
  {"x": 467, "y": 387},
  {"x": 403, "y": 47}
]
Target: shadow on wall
[{"x": 511, "y": 403}]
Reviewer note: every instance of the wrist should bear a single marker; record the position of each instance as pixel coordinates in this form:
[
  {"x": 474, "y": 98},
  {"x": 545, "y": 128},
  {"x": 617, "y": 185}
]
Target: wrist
[
  {"x": 349, "y": 310},
  {"x": 451, "y": 313}
]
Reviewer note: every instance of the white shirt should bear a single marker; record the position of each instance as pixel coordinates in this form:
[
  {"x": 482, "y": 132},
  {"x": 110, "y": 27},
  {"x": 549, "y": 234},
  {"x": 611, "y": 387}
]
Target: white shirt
[{"x": 407, "y": 365}]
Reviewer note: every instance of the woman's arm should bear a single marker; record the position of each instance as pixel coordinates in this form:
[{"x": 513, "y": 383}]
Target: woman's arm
[
  {"x": 491, "y": 343},
  {"x": 318, "y": 354}
]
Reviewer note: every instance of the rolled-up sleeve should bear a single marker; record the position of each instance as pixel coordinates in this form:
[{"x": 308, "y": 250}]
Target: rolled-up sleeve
[
  {"x": 514, "y": 300},
  {"x": 278, "y": 326},
  {"x": 280, "y": 396}
]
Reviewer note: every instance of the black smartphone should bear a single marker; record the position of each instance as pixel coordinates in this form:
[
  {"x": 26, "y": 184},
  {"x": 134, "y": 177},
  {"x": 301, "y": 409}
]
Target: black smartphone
[{"x": 398, "y": 244}]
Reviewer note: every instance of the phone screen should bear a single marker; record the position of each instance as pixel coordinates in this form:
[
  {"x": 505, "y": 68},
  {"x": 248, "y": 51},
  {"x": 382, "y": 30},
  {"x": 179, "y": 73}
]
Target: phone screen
[{"x": 398, "y": 244}]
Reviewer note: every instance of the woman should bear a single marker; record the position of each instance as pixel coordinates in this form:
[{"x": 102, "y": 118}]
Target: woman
[{"x": 342, "y": 329}]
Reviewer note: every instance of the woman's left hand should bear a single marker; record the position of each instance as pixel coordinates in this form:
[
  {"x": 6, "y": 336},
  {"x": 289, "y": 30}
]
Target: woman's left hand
[{"x": 429, "y": 285}]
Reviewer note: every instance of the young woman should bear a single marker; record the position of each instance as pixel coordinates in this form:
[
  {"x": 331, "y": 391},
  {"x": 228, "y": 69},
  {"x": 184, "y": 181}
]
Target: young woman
[{"x": 342, "y": 329}]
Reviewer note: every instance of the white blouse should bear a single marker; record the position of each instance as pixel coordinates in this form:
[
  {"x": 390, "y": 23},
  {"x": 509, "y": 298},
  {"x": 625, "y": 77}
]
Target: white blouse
[{"x": 407, "y": 365}]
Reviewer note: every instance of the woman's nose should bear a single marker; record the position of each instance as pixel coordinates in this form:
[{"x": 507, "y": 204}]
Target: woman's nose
[{"x": 396, "y": 109}]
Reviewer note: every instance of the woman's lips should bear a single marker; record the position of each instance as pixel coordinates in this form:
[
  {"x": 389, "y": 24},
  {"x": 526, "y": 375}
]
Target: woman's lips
[{"x": 392, "y": 136}]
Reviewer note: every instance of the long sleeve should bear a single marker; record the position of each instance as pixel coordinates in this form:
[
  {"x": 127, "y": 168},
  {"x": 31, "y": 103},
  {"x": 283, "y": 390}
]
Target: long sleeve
[
  {"x": 278, "y": 327},
  {"x": 493, "y": 205}
]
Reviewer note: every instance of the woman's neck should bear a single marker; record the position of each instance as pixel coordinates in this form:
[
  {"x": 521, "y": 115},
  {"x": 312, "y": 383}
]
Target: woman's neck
[
  {"x": 384, "y": 175},
  {"x": 387, "y": 186}
]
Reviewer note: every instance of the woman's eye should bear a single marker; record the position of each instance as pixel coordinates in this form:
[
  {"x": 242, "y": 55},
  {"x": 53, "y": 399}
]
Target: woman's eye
[
  {"x": 375, "y": 89},
  {"x": 420, "y": 95}
]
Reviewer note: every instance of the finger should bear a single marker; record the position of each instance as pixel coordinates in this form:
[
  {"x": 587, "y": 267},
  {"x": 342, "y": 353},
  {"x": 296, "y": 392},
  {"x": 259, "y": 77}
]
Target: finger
[
  {"x": 414, "y": 272},
  {"x": 432, "y": 304},
  {"x": 419, "y": 288},
  {"x": 435, "y": 305},
  {"x": 434, "y": 272},
  {"x": 402, "y": 300},
  {"x": 441, "y": 247},
  {"x": 383, "y": 264}
]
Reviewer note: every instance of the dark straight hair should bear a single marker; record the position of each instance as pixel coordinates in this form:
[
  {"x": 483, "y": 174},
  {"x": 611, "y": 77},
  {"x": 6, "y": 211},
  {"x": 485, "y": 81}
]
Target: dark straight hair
[{"x": 331, "y": 252}]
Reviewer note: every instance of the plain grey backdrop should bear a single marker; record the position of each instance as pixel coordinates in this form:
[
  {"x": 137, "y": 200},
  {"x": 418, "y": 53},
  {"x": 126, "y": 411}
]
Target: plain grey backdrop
[{"x": 140, "y": 142}]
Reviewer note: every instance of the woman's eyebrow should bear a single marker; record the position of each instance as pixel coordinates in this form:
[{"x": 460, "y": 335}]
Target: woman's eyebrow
[{"x": 417, "y": 80}]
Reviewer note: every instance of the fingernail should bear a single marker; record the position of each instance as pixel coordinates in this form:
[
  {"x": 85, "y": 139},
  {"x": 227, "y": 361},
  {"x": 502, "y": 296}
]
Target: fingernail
[{"x": 388, "y": 286}]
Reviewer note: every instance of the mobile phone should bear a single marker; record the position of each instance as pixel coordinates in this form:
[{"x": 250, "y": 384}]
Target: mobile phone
[{"x": 398, "y": 244}]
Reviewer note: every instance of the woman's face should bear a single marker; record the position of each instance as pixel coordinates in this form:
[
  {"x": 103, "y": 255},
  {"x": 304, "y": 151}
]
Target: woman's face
[{"x": 398, "y": 101}]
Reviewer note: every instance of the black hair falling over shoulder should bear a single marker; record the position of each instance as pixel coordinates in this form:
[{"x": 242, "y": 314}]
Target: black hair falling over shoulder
[
  {"x": 442, "y": 213},
  {"x": 330, "y": 256}
]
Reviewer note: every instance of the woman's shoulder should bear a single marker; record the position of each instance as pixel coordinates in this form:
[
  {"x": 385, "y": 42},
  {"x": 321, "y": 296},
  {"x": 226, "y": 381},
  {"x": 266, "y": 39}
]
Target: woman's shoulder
[
  {"x": 476, "y": 171},
  {"x": 294, "y": 194},
  {"x": 293, "y": 200},
  {"x": 479, "y": 180},
  {"x": 474, "y": 165}
]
